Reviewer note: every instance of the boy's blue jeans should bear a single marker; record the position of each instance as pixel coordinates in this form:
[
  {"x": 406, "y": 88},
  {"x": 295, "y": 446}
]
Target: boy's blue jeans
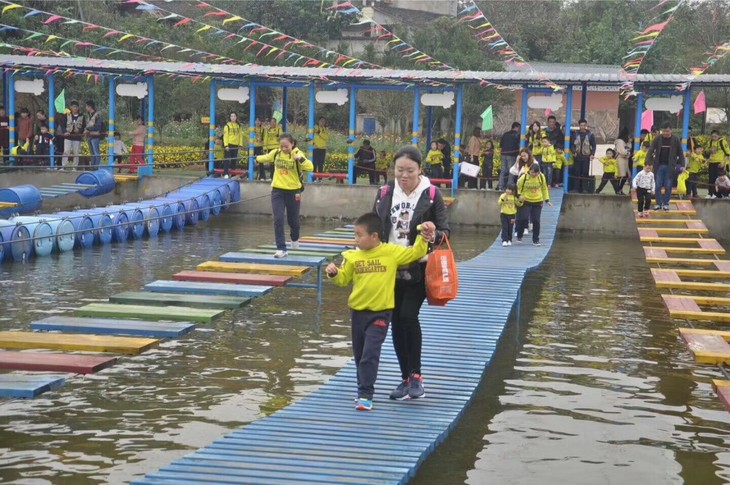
[
  {"x": 95, "y": 152},
  {"x": 664, "y": 178},
  {"x": 368, "y": 334}
]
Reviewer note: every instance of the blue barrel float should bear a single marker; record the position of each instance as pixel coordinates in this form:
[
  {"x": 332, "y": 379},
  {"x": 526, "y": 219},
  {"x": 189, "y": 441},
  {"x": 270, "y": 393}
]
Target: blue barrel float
[
  {"x": 26, "y": 197},
  {"x": 83, "y": 227},
  {"x": 16, "y": 240},
  {"x": 104, "y": 225},
  {"x": 178, "y": 211},
  {"x": 201, "y": 196},
  {"x": 41, "y": 232},
  {"x": 215, "y": 196},
  {"x": 190, "y": 205},
  {"x": 120, "y": 224},
  {"x": 151, "y": 218},
  {"x": 135, "y": 219},
  {"x": 164, "y": 213},
  {"x": 102, "y": 179}
]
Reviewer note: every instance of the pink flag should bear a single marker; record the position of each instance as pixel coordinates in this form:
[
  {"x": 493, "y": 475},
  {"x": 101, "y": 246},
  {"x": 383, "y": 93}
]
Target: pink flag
[
  {"x": 647, "y": 120},
  {"x": 548, "y": 111},
  {"x": 700, "y": 103}
]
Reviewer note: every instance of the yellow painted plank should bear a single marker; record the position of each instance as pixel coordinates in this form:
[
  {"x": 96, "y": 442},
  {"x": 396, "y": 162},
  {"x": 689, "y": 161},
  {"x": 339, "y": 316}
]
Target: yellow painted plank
[
  {"x": 708, "y": 300},
  {"x": 672, "y": 212},
  {"x": 717, "y": 317},
  {"x": 701, "y": 331},
  {"x": 62, "y": 341},
  {"x": 273, "y": 269},
  {"x": 700, "y": 273},
  {"x": 687, "y": 261},
  {"x": 720, "y": 383},
  {"x": 665, "y": 221},
  {"x": 675, "y": 249},
  {"x": 691, "y": 285},
  {"x": 7, "y": 205},
  {"x": 673, "y": 240},
  {"x": 708, "y": 348},
  {"x": 678, "y": 230}
]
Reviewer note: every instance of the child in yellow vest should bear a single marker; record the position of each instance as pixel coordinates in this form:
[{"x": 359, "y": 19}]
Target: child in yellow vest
[
  {"x": 548, "y": 160},
  {"x": 696, "y": 162},
  {"x": 610, "y": 169},
  {"x": 435, "y": 162},
  {"x": 372, "y": 269},
  {"x": 508, "y": 204},
  {"x": 640, "y": 156}
]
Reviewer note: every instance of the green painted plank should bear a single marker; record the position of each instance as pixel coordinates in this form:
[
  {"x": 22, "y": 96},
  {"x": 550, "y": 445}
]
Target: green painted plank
[
  {"x": 178, "y": 299},
  {"x": 305, "y": 250},
  {"x": 171, "y": 313},
  {"x": 328, "y": 255}
]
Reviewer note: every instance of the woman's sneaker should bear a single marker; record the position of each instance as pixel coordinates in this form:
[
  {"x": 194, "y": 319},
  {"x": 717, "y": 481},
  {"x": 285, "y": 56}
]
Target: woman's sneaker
[
  {"x": 364, "y": 404},
  {"x": 295, "y": 244},
  {"x": 280, "y": 254},
  {"x": 504, "y": 244},
  {"x": 401, "y": 392},
  {"x": 415, "y": 387}
]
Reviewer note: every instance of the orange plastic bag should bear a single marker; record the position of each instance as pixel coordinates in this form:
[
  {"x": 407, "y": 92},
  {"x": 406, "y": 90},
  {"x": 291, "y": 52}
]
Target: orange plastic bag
[{"x": 442, "y": 280}]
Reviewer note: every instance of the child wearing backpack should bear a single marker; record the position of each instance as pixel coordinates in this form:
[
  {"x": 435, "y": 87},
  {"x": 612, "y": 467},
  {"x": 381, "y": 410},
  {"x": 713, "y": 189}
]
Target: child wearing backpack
[
  {"x": 372, "y": 271},
  {"x": 533, "y": 191}
]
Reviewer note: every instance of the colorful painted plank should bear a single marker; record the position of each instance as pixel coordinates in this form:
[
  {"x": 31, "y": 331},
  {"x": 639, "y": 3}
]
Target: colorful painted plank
[
  {"x": 166, "y": 286},
  {"x": 329, "y": 256},
  {"x": 671, "y": 240},
  {"x": 232, "y": 278},
  {"x": 305, "y": 249},
  {"x": 333, "y": 241},
  {"x": 675, "y": 230},
  {"x": 722, "y": 388},
  {"x": 27, "y": 386},
  {"x": 684, "y": 250},
  {"x": 169, "y": 313},
  {"x": 293, "y": 260},
  {"x": 90, "y": 343},
  {"x": 252, "y": 268},
  {"x": 682, "y": 261},
  {"x": 110, "y": 326},
  {"x": 666, "y": 221},
  {"x": 46, "y": 362},
  {"x": 707, "y": 348},
  {"x": 178, "y": 299}
]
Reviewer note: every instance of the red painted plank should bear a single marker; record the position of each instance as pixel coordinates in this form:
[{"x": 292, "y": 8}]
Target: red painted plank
[
  {"x": 723, "y": 392},
  {"x": 706, "y": 343},
  {"x": 710, "y": 244},
  {"x": 665, "y": 275},
  {"x": 696, "y": 225},
  {"x": 232, "y": 172},
  {"x": 233, "y": 278},
  {"x": 655, "y": 253},
  {"x": 39, "y": 361},
  {"x": 722, "y": 265},
  {"x": 685, "y": 205},
  {"x": 681, "y": 303},
  {"x": 648, "y": 233}
]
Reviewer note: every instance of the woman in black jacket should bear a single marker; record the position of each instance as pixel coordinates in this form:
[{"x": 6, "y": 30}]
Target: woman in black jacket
[{"x": 402, "y": 205}]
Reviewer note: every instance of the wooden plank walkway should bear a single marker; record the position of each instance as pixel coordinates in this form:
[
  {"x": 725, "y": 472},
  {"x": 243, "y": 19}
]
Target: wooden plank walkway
[
  {"x": 179, "y": 299},
  {"x": 47, "y": 362},
  {"x": 169, "y": 313},
  {"x": 109, "y": 326},
  {"x": 232, "y": 278},
  {"x": 276, "y": 269},
  {"x": 90, "y": 343},
  {"x": 322, "y": 439},
  {"x": 27, "y": 386},
  {"x": 227, "y": 289}
]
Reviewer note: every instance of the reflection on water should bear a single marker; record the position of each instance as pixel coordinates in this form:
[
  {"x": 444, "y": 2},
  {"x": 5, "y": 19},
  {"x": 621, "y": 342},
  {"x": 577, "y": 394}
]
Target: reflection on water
[
  {"x": 593, "y": 386},
  {"x": 153, "y": 408}
]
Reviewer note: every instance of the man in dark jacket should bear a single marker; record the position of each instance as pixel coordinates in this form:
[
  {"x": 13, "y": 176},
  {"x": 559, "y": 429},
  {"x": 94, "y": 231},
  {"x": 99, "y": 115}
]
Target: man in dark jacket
[
  {"x": 666, "y": 156},
  {"x": 509, "y": 146},
  {"x": 583, "y": 147}
]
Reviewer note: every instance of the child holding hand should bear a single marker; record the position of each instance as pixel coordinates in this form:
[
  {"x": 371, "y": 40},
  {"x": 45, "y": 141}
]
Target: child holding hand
[{"x": 372, "y": 269}]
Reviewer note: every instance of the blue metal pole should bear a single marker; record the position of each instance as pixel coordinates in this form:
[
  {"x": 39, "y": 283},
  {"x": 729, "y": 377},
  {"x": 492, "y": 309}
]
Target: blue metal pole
[
  {"x": 211, "y": 126},
  {"x": 457, "y": 139},
  {"x": 52, "y": 117},
  {"x": 13, "y": 135},
  {"x": 6, "y": 91},
  {"x": 566, "y": 141},
  {"x": 251, "y": 129},
  {"x": 429, "y": 122},
  {"x": 685, "y": 117},
  {"x": 284, "y": 103},
  {"x": 150, "y": 127},
  {"x": 523, "y": 116},
  {"x": 112, "y": 123},
  {"x": 310, "y": 127},
  {"x": 416, "y": 116},
  {"x": 351, "y": 136},
  {"x": 583, "y": 100},
  {"x": 637, "y": 127}
]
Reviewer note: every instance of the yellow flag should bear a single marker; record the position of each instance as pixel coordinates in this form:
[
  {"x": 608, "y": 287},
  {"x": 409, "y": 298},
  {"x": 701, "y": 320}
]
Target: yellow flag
[
  {"x": 10, "y": 7},
  {"x": 128, "y": 36},
  {"x": 51, "y": 37},
  {"x": 203, "y": 29},
  {"x": 235, "y": 18}
]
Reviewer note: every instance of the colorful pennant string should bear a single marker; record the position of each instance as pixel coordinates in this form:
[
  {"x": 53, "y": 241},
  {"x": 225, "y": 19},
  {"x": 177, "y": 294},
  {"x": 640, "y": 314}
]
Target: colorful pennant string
[{"x": 718, "y": 52}]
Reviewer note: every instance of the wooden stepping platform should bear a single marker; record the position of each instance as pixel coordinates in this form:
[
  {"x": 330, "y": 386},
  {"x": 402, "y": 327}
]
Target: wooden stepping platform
[
  {"x": 667, "y": 278},
  {"x": 178, "y": 299},
  {"x": 166, "y": 286},
  {"x": 109, "y": 326},
  {"x": 89, "y": 343},
  {"x": 332, "y": 241},
  {"x": 169, "y": 313},
  {"x": 305, "y": 249},
  {"x": 26, "y": 386},
  {"x": 328, "y": 255},
  {"x": 274, "y": 269},
  {"x": 700, "y": 273},
  {"x": 671, "y": 213},
  {"x": 46, "y": 362},
  {"x": 232, "y": 278},
  {"x": 707, "y": 346},
  {"x": 290, "y": 260},
  {"x": 688, "y": 307},
  {"x": 704, "y": 248},
  {"x": 656, "y": 231},
  {"x": 665, "y": 221},
  {"x": 125, "y": 178},
  {"x": 660, "y": 256},
  {"x": 670, "y": 240},
  {"x": 722, "y": 388}
]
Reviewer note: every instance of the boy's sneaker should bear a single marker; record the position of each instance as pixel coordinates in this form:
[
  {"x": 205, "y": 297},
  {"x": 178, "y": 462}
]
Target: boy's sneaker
[
  {"x": 364, "y": 404},
  {"x": 401, "y": 392},
  {"x": 415, "y": 387},
  {"x": 646, "y": 213},
  {"x": 665, "y": 207},
  {"x": 709, "y": 196},
  {"x": 641, "y": 214},
  {"x": 280, "y": 254},
  {"x": 504, "y": 244},
  {"x": 519, "y": 240},
  {"x": 295, "y": 244},
  {"x": 509, "y": 243},
  {"x": 536, "y": 243},
  {"x": 657, "y": 207}
]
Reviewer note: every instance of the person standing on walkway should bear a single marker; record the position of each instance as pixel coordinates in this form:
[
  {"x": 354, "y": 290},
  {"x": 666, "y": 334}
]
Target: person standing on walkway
[
  {"x": 665, "y": 155},
  {"x": 93, "y": 132},
  {"x": 583, "y": 146},
  {"x": 74, "y": 129},
  {"x": 718, "y": 155},
  {"x": 623, "y": 152},
  {"x": 509, "y": 146},
  {"x": 286, "y": 188},
  {"x": 508, "y": 205},
  {"x": 321, "y": 139},
  {"x": 372, "y": 269},
  {"x": 533, "y": 192},
  {"x": 402, "y": 205},
  {"x": 644, "y": 185},
  {"x": 232, "y": 141}
]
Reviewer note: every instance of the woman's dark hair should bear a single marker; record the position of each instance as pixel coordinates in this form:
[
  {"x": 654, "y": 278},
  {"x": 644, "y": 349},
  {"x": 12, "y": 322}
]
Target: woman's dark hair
[
  {"x": 490, "y": 145},
  {"x": 410, "y": 152},
  {"x": 232, "y": 113},
  {"x": 530, "y": 159}
]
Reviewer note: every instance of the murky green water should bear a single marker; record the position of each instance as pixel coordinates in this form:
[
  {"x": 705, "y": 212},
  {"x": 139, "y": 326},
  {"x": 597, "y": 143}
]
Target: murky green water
[{"x": 593, "y": 386}]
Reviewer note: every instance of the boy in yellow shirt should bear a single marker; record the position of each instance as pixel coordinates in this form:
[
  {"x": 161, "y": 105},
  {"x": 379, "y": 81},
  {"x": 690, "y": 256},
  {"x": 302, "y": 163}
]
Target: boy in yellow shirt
[
  {"x": 508, "y": 204},
  {"x": 549, "y": 156},
  {"x": 640, "y": 156},
  {"x": 696, "y": 161},
  {"x": 435, "y": 162},
  {"x": 610, "y": 169},
  {"x": 372, "y": 269}
]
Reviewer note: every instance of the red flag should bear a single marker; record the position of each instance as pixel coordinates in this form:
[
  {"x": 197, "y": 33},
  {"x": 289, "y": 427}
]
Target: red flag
[
  {"x": 647, "y": 120},
  {"x": 700, "y": 103}
]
